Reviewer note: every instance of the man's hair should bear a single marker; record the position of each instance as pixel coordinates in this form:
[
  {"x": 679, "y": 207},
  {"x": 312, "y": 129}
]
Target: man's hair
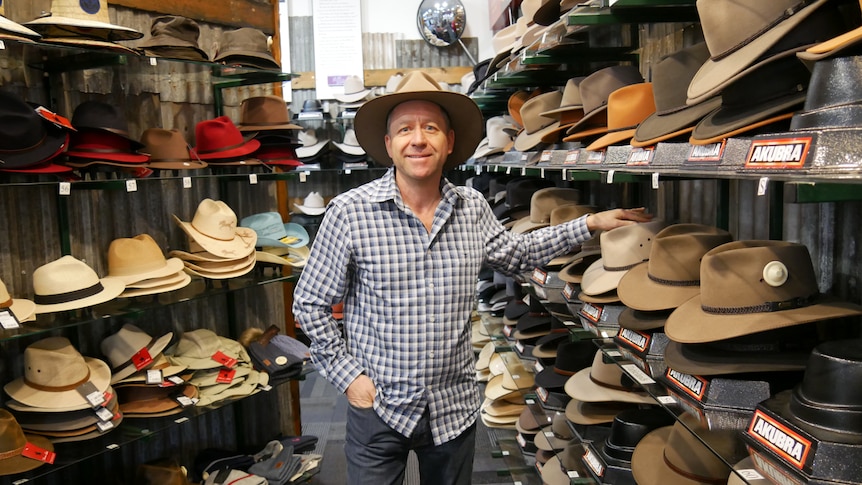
[{"x": 442, "y": 110}]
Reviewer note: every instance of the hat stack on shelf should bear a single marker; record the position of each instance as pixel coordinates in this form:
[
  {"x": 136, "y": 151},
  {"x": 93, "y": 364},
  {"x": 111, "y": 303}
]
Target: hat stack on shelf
[
  {"x": 218, "y": 249},
  {"x": 68, "y": 283},
  {"x": 174, "y": 37},
  {"x": 280, "y": 356},
  {"x": 220, "y": 143},
  {"x": 354, "y": 95},
  {"x": 33, "y": 137},
  {"x": 268, "y": 119},
  {"x": 168, "y": 150},
  {"x": 102, "y": 139},
  {"x": 314, "y": 152},
  {"x": 245, "y": 47},
  {"x": 349, "y": 154},
  {"x": 278, "y": 242},
  {"x": 140, "y": 264},
  {"x": 83, "y": 24}
]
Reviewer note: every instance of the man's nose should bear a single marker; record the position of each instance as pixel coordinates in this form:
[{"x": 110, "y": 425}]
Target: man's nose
[{"x": 418, "y": 137}]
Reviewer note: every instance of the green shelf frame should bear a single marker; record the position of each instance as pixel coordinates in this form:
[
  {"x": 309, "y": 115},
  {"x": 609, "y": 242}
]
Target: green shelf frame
[{"x": 634, "y": 12}]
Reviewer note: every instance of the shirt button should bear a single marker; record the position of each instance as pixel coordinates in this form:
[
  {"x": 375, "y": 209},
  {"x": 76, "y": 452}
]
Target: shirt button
[
  {"x": 430, "y": 285},
  {"x": 431, "y": 354},
  {"x": 431, "y": 318}
]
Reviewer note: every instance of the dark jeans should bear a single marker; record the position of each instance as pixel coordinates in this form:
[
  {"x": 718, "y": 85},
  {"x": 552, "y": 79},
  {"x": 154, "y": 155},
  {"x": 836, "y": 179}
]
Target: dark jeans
[{"x": 377, "y": 454}]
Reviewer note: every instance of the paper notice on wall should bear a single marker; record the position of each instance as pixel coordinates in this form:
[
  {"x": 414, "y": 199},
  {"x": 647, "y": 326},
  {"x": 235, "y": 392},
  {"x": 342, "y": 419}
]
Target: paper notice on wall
[{"x": 337, "y": 45}]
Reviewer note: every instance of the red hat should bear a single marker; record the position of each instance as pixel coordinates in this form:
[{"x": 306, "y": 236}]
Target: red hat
[
  {"x": 220, "y": 138},
  {"x": 277, "y": 155},
  {"x": 103, "y": 145}
]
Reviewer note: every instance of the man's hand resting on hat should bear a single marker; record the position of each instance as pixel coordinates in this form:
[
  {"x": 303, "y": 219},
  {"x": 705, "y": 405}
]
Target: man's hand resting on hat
[
  {"x": 610, "y": 219},
  {"x": 360, "y": 393}
]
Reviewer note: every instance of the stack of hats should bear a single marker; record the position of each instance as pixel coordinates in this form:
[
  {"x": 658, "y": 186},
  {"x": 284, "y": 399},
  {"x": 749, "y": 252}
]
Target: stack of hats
[
  {"x": 168, "y": 150},
  {"x": 32, "y": 138},
  {"x": 312, "y": 110},
  {"x": 14, "y": 31},
  {"x": 349, "y": 153},
  {"x": 218, "y": 249},
  {"x": 222, "y": 367},
  {"x": 354, "y": 95},
  {"x": 314, "y": 152},
  {"x": 68, "y": 283},
  {"x": 102, "y": 139},
  {"x": 86, "y": 24},
  {"x": 147, "y": 384},
  {"x": 220, "y": 143},
  {"x": 63, "y": 395},
  {"x": 18, "y": 309},
  {"x": 498, "y": 137},
  {"x": 278, "y": 242},
  {"x": 268, "y": 118},
  {"x": 174, "y": 37},
  {"x": 280, "y": 356},
  {"x": 245, "y": 47},
  {"x": 139, "y": 263}
]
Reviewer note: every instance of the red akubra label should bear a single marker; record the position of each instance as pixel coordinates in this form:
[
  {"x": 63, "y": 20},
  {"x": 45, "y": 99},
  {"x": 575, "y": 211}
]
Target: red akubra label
[
  {"x": 706, "y": 153},
  {"x": 694, "y": 386},
  {"x": 633, "y": 338},
  {"x": 784, "y": 442},
  {"x": 778, "y": 153}
]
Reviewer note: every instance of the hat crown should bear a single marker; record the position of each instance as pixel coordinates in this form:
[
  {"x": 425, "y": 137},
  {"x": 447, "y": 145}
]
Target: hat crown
[
  {"x": 100, "y": 116},
  {"x": 98, "y": 141},
  {"x": 178, "y": 27},
  {"x": 215, "y": 219},
  {"x": 531, "y": 111},
  {"x": 350, "y": 138},
  {"x": 737, "y": 275},
  {"x": 572, "y": 93},
  {"x": 543, "y": 201},
  {"x": 120, "y": 347},
  {"x": 832, "y": 100},
  {"x": 569, "y": 212},
  {"x": 630, "y": 105},
  {"x": 198, "y": 344},
  {"x": 818, "y": 401},
  {"x": 63, "y": 275},
  {"x": 610, "y": 375},
  {"x": 685, "y": 450},
  {"x": 393, "y": 82},
  {"x": 308, "y": 137},
  {"x": 627, "y": 246},
  {"x": 519, "y": 192},
  {"x": 263, "y": 110},
  {"x": 677, "y": 251},
  {"x": 5, "y": 297},
  {"x": 132, "y": 256},
  {"x": 21, "y": 127},
  {"x": 12, "y": 439},
  {"x": 783, "y": 78},
  {"x": 417, "y": 81},
  {"x": 598, "y": 86},
  {"x": 353, "y": 85},
  {"x": 730, "y": 24},
  {"x": 629, "y": 427},
  {"x": 243, "y": 41},
  {"x": 266, "y": 225},
  {"x": 516, "y": 102},
  {"x": 54, "y": 363},
  {"x": 313, "y": 199},
  {"x": 164, "y": 144},
  {"x": 672, "y": 75},
  {"x": 96, "y": 10},
  {"x": 217, "y": 134}
]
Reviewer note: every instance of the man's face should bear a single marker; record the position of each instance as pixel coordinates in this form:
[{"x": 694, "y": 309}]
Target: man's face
[{"x": 419, "y": 139}]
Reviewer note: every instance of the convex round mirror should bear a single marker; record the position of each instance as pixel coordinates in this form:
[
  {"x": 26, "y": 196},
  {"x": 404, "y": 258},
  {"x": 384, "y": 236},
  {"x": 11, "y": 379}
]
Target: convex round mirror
[{"x": 441, "y": 22}]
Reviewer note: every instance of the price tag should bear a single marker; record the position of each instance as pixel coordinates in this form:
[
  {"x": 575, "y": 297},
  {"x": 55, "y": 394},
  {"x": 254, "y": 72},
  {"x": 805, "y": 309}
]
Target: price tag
[
  {"x": 187, "y": 182},
  {"x": 478, "y": 169},
  {"x": 504, "y": 453},
  {"x": 112, "y": 446},
  {"x": 8, "y": 320},
  {"x": 667, "y": 400},
  {"x": 572, "y": 474},
  {"x": 176, "y": 380},
  {"x": 252, "y": 178},
  {"x": 538, "y": 367},
  {"x": 265, "y": 388},
  {"x": 762, "y": 184},
  {"x": 2, "y": 45},
  {"x": 610, "y": 177},
  {"x": 614, "y": 353},
  {"x": 105, "y": 414},
  {"x": 638, "y": 375},
  {"x": 104, "y": 426},
  {"x": 224, "y": 360},
  {"x": 65, "y": 188},
  {"x": 154, "y": 377},
  {"x": 186, "y": 401},
  {"x": 181, "y": 420},
  {"x": 32, "y": 451},
  {"x": 347, "y": 171},
  {"x": 542, "y": 172},
  {"x": 520, "y": 347},
  {"x": 153, "y": 61},
  {"x": 655, "y": 180},
  {"x": 142, "y": 359},
  {"x": 508, "y": 170},
  {"x": 131, "y": 185},
  {"x": 565, "y": 174},
  {"x": 750, "y": 474},
  {"x": 549, "y": 434},
  {"x": 93, "y": 396},
  {"x": 529, "y": 401},
  {"x": 523, "y": 170},
  {"x": 521, "y": 440},
  {"x": 225, "y": 376},
  {"x": 546, "y": 156}
]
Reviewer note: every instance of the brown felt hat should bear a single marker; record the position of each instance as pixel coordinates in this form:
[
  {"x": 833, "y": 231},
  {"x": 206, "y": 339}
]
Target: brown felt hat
[
  {"x": 627, "y": 107},
  {"x": 12, "y": 443}
]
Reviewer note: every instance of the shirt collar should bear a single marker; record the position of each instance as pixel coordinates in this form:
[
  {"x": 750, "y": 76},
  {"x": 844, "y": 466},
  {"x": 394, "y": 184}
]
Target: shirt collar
[{"x": 387, "y": 189}]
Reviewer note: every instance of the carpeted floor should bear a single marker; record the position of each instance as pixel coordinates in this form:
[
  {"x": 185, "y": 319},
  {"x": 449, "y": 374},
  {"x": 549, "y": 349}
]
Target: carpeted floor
[{"x": 323, "y": 415}]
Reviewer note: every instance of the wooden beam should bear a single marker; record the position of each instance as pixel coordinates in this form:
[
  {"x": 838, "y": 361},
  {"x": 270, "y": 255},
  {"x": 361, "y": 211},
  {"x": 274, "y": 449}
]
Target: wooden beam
[
  {"x": 236, "y": 13},
  {"x": 378, "y": 77}
]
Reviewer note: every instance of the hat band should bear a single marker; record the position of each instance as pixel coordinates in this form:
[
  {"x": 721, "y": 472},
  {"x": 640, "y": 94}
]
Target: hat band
[
  {"x": 25, "y": 149},
  {"x": 7, "y": 303},
  {"x": 563, "y": 372},
  {"x": 11, "y": 453},
  {"x": 129, "y": 362},
  {"x": 665, "y": 282},
  {"x": 69, "y": 296},
  {"x": 223, "y": 149},
  {"x": 69, "y": 387},
  {"x": 622, "y": 268},
  {"x": 609, "y": 386},
  {"x": 102, "y": 150},
  {"x": 770, "y": 306},
  {"x": 173, "y": 160},
  {"x": 692, "y": 476},
  {"x": 264, "y": 123},
  {"x": 788, "y": 12}
]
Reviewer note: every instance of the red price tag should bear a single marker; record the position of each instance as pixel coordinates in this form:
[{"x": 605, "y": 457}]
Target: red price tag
[
  {"x": 225, "y": 376},
  {"x": 32, "y": 451},
  {"x": 224, "y": 359},
  {"x": 142, "y": 359}
]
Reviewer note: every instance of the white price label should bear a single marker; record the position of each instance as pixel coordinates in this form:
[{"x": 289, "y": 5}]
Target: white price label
[
  {"x": 478, "y": 169},
  {"x": 614, "y": 353},
  {"x": 542, "y": 173},
  {"x": 530, "y": 401},
  {"x": 572, "y": 474},
  {"x": 8, "y": 320},
  {"x": 2, "y": 45},
  {"x": 265, "y": 388},
  {"x": 96, "y": 398},
  {"x": 762, "y": 184},
  {"x": 667, "y": 400},
  {"x": 112, "y": 446},
  {"x": 181, "y": 420},
  {"x": 347, "y": 171},
  {"x": 252, "y": 178},
  {"x": 303, "y": 176},
  {"x": 154, "y": 376},
  {"x": 538, "y": 367},
  {"x": 610, "y": 177},
  {"x": 523, "y": 170},
  {"x": 105, "y": 414},
  {"x": 153, "y": 61},
  {"x": 508, "y": 170},
  {"x": 638, "y": 375},
  {"x": 655, "y": 180},
  {"x": 65, "y": 188},
  {"x": 187, "y": 182},
  {"x": 131, "y": 185},
  {"x": 505, "y": 453},
  {"x": 750, "y": 474},
  {"x": 565, "y": 174}
]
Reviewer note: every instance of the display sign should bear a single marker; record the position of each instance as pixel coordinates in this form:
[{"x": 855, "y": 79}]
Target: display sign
[
  {"x": 778, "y": 153},
  {"x": 337, "y": 45}
]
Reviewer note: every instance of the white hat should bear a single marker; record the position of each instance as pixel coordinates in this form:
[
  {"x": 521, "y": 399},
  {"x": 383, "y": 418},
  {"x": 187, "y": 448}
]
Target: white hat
[{"x": 312, "y": 204}]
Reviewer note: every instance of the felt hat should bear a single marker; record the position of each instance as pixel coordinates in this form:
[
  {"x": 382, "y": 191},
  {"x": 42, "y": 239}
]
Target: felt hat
[
  {"x": 23, "y": 309},
  {"x": 643, "y": 320},
  {"x": 89, "y": 20},
  {"x": 622, "y": 249},
  {"x": 519, "y": 195},
  {"x": 100, "y": 116},
  {"x": 246, "y": 47},
  {"x": 627, "y": 107},
  {"x": 350, "y": 144},
  {"x": 628, "y": 428},
  {"x": 68, "y": 283},
  {"x": 145, "y": 401},
  {"x": 672, "y": 274},
  {"x": 753, "y": 286},
  {"x": 571, "y": 357},
  {"x": 168, "y": 150},
  {"x": 26, "y": 138},
  {"x": 536, "y": 125},
  {"x": 214, "y": 228},
  {"x": 591, "y": 413},
  {"x": 265, "y": 113},
  {"x": 498, "y": 138},
  {"x": 832, "y": 47},
  {"x": 767, "y": 95},
  {"x": 176, "y": 36},
  {"x": 673, "y": 117},
  {"x": 311, "y": 146},
  {"x": 40, "y": 422},
  {"x": 131, "y": 349},
  {"x": 741, "y": 37},
  {"x": 139, "y": 258},
  {"x": 283, "y": 154},
  {"x": 543, "y": 202},
  {"x": 354, "y": 90},
  {"x": 53, "y": 370},
  {"x": 677, "y": 454},
  {"x": 464, "y": 116},
  {"x": 605, "y": 381},
  {"x": 556, "y": 436},
  {"x": 272, "y": 231},
  {"x": 595, "y": 90},
  {"x": 219, "y": 138},
  {"x": 831, "y": 102},
  {"x": 13, "y": 440}
]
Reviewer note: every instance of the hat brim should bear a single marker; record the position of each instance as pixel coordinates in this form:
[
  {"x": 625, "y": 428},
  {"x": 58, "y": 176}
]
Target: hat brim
[
  {"x": 656, "y": 127},
  {"x": 353, "y": 97},
  {"x": 24, "y": 310},
  {"x": 310, "y": 150},
  {"x": 264, "y": 129},
  {"x": 611, "y": 138},
  {"x": 247, "y": 148},
  {"x": 642, "y": 320},
  {"x": 220, "y": 276},
  {"x": 19, "y": 463},
  {"x": 597, "y": 280},
  {"x": 23, "y": 393},
  {"x": 89, "y": 43},
  {"x": 704, "y": 360},
  {"x": 218, "y": 267},
  {"x": 291, "y": 229},
  {"x": 464, "y": 114},
  {"x": 525, "y": 141},
  {"x": 248, "y": 59},
  {"x": 154, "y": 349},
  {"x": 832, "y": 46},
  {"x": 587, "y": 413},
  {"x": 172, "y": 266},
  {"x": 111, "y": 288},
  {"x": 648, "y": 464},
  {"x": 713, "y": 76},
  {"x": 240, "y": 246},
  {"x": 59, "y": 26},
  {"x": 573, "y": 270},
  {"x": 609, "y": 297},
  {"x": 51, "y": 145},
  {"x": 295, "y": 259},
  {"x": 181, "y": 52},
  {"x": 312, "y": 211},
  {"x": 9, "y": 26},
  {"x": 247, "y": 387},
  {"x": 585, "y": 133},
  {"x": 349, "y": 149},
  {"x": 176, "y": 165},
  {"x": 690, "y": 324},
  {"x": 180, "y": 280},
  {"x": 640, "y": 292},
  {"x": 724, "y": 122},
  {"x": 581, "y": 387}
]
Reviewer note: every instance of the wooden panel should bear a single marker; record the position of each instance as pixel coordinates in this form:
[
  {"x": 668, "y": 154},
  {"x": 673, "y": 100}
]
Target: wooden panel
[{"x": 238, "y": 13}]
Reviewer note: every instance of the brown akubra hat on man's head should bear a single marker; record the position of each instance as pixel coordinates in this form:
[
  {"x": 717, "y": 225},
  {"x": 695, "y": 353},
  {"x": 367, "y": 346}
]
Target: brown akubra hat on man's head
[{"x": 464, "y": 116}]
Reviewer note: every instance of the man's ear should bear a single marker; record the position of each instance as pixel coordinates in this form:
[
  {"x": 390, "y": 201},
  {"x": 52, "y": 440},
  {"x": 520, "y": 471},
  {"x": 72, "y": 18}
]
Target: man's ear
[
  {"x": 450, "y": 140},
  {"x": 387, "y": 141}
]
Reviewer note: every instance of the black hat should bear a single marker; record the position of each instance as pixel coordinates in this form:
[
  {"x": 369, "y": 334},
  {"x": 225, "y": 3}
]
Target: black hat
[{"x": 26, "y": 138}]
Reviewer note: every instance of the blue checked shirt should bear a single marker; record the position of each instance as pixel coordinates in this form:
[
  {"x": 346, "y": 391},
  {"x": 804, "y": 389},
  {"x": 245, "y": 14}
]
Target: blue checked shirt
[{"x": 408, "y": 295}]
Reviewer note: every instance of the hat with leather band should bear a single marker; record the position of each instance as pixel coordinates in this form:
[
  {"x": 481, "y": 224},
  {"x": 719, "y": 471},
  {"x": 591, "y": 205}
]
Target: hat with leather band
[
  {"x": 168, "y": 150},
  {"x": 131, "y": 349},
  {"x": 176, "y": 36},
  {"x": 219, "y": 138},
  {"x": 26, "y": 138},
  {"x": 571, "y": 357},
  {"x": 245, "y": 47},
  {"x": 263, "y": 113},
  {"x": 100, "y": 116},
  {"x": 542, "y": 203},
  {"x": 753, "y": 286},
  {"x": 464, "y": 116},
  {"x": 672, "y": 274},
  {"x": 627, "y": 107},
  {"x": 556, "y": 436},
  {"x": 68, "y": 284},
  {"x": 13, "y": 441},
  {"x": 139, "y": 258},
  {"x": 595, "y": 90},
  {"x": 535, "y": 124},
  {"x": 53, "y": 371},
  {"x": 605, "y": 381},
  {"x": 622, "y": 249}
]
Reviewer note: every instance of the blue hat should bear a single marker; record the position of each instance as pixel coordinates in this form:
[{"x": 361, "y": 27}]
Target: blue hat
[{"x": 271, "y": 231}]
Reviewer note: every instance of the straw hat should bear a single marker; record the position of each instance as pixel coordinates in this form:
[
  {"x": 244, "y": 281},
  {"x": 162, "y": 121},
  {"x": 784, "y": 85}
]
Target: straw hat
[
  {"x": 68, "y": 284},
  {"x": 89, "y": 20},
  {"x": 139, "y": 258},
  {"x": 24, "y": 310},
  {"x": 214, "y": 228}
]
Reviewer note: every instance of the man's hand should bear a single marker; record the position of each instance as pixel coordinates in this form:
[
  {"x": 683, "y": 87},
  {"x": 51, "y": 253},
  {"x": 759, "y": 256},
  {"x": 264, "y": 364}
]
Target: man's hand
[
  {"x": 610, "y": 219},
  {"x": 360, "y": 393}
]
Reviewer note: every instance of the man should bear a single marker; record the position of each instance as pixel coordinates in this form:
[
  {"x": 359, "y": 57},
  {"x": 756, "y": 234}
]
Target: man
[{"x": 403, "y": 252}]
